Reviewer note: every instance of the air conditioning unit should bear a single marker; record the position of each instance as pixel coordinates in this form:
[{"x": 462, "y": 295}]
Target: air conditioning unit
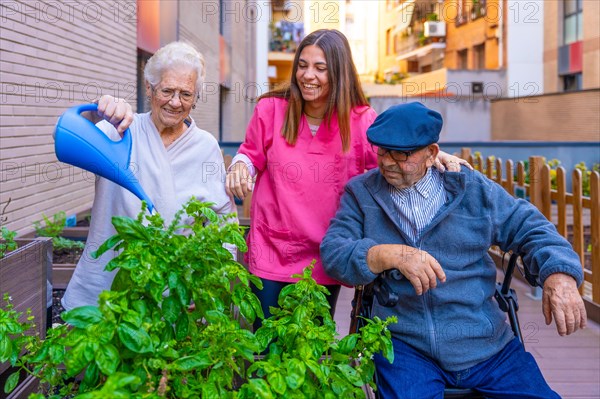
[{"x": 435, "y": 29}]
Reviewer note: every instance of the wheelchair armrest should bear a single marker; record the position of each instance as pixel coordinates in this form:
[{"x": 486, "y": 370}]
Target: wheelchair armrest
[{"x": 504, "y": 298}]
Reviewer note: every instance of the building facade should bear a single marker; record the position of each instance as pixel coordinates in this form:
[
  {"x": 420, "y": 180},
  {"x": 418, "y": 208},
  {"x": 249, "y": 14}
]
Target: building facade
[
  {"x": 566, "y": 106},
  {"x": 572, "y": 45},
  {"x": 59, "y": 54}
]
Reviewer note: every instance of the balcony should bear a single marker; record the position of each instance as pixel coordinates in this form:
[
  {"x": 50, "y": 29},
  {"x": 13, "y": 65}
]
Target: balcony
[{"x": 420, "y": 40}]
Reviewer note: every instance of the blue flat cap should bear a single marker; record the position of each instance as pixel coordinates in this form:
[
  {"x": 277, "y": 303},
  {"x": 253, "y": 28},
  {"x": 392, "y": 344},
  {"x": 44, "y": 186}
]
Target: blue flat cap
[{"x": 405, "y": 127}]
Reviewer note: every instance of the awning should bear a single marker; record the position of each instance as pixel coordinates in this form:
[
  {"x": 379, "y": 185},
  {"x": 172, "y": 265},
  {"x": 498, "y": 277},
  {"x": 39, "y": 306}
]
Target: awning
[
  {"x": 405, "y": 13},
  {"x": 421, "y": 51}
]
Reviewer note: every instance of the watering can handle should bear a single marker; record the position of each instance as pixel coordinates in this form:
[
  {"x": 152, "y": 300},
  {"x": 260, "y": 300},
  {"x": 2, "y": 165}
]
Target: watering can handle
[{"x": 79, "y": 109}]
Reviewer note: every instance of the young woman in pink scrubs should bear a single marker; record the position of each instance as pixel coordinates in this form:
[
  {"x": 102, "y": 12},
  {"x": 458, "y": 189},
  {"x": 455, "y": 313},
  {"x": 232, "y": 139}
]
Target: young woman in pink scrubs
[{"x": 303, "y": 143}]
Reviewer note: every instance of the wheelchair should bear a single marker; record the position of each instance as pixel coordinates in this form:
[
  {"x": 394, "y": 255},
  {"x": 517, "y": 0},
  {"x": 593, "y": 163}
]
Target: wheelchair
[{"x": 505, "y": 296}]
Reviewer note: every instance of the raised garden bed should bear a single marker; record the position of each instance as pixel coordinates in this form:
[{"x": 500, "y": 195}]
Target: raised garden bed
[
  {"x": 24, "y": 273},
  {"x": 65, "y": 260}
]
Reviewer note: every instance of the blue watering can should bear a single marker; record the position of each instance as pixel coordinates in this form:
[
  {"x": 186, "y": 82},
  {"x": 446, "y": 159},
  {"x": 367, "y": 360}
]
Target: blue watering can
[{"x": 80, "y": 143}]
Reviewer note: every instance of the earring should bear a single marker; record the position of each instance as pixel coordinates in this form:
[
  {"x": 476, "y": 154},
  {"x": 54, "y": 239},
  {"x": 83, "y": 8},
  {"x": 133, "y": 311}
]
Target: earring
[{"x": 194, "y": 106}]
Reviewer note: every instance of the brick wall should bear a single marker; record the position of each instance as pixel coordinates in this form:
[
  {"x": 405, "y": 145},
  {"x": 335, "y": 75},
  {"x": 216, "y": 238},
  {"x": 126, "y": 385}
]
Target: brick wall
[
  {"x": 58, "y": 54},
  {"x": 55, "y": 55},
  {"x": 553, "y": 117}
]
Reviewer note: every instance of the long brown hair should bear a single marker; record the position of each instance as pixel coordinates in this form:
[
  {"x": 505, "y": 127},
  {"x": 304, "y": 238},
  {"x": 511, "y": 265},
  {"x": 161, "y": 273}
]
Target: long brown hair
[{"x": 345, "y": 91}]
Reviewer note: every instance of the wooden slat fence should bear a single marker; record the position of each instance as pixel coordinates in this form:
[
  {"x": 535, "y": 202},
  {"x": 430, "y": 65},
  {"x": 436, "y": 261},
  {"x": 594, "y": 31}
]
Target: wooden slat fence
[{"x": 577, "y": 217}]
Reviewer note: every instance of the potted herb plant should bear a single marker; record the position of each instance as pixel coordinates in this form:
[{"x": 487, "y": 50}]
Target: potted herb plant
[{"x": 174, "y": 325}]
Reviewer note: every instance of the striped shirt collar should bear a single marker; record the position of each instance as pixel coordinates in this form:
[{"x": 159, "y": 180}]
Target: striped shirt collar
[{"x": 424, "y": 187}]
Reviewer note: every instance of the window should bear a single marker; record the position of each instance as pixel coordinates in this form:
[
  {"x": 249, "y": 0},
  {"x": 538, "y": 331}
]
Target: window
[
  {"x": 396, "y": 44},
  {"x": 478, "y": 9},
  {"x": 572, "y": 82},
  {"x": 461, "y": 14},
  {"x": 462, "y": 57},
  {"x": 573, "y": 21},
  {"x": 142, "y": 103},
  {"x": 388, "y": 41},
  {"x": 479, "y": 56}
]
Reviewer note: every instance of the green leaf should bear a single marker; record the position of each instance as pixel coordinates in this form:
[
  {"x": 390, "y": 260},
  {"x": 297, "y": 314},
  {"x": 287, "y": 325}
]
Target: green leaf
[
  {"x": 296, "y": 373},
  {"x": 347, "y": 344},
  {"x": 56, "y": 353},
  {"x": 106, "y": 245},
  {"x": 182, "y": 327},
  {"x": 11, "y": 382},
  {"x": 216, "y": 317},
  {"x": 120, "y": 380},
  {"x": 182, "y": 293},
  {"x": 171, "y": 309},
  {"x": 83, "y": 316},
  {"x": 5, "y": 348},
  {"x": 277, "y": 382},
  {"x": 77, "y": 358},
  {"x": 260, "y": 388},
  {"x": 189, "y": 363},
  {"x": 107, "y": 359},
  {"x": 91, "y": 375},
  {"x": 173, "y": 279},
  {"x": 350, "y": 374},
  {"x": 247, "y": 310},
  {"x": 135, "y": 339},
  {"x": 130, "y": 229},
  {"x": 388, "y": 349}
]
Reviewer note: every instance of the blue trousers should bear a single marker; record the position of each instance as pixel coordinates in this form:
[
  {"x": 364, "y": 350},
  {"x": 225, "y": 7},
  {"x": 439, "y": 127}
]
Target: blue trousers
[
  {"x": 510, "y": 374},
  {"x": 270, "y": 293}
]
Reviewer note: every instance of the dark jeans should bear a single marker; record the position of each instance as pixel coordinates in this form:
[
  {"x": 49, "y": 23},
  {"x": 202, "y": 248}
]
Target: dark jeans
[
  {"x": 510, "y": 374},
  {"x": 270, "y": 293}
]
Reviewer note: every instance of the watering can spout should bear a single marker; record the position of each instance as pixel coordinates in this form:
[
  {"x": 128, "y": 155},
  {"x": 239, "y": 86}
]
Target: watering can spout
[{"x": 80, "y": 143}]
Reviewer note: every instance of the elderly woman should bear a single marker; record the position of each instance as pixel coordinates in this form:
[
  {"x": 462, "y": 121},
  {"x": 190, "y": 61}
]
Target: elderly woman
[{"x": 173, "y": 160}]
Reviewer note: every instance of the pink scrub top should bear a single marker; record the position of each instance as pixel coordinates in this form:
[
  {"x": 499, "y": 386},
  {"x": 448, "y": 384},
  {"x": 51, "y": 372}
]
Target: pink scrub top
[{"x": 298, "y": 187}]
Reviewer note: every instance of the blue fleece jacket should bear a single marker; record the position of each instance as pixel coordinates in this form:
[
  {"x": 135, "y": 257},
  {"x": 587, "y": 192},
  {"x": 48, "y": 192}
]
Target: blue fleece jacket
[{"x": 458, "y": 324}]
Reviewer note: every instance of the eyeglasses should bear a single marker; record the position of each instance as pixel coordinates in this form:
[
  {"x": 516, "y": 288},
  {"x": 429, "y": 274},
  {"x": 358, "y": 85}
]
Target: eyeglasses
[
  {"x": 397, "y": 155},
  {"x": 167, "y": 94}
]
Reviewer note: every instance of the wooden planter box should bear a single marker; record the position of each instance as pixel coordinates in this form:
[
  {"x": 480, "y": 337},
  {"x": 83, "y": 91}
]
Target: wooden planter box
[
  {"x": 62, "y": 272},
  {"x": 24, "y": 273}
]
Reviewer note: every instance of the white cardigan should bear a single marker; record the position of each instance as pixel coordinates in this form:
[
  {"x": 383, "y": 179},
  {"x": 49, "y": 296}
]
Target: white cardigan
[{"x": 191, "y": 166}]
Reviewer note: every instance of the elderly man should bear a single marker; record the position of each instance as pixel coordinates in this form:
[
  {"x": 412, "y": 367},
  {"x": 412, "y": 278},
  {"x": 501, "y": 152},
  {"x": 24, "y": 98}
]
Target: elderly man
[{"x": 424, "y": 235}]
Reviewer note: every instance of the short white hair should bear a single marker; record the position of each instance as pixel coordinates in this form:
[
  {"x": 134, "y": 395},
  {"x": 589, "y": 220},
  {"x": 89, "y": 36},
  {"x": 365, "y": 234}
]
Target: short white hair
[{"x": 173, "y": 55}]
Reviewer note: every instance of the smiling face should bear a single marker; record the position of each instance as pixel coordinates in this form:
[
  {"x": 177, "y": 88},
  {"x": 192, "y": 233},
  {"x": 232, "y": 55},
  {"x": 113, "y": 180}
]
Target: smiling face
[
  {"x": 404, "y": 174},
  {"x": 169, "y": 114},
  {"x": 312, "y": 75}
]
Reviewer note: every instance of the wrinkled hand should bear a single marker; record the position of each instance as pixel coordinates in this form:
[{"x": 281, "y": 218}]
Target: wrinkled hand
[
  {"x": 117, "y": 111},
  {"x": 562, "y": 301},
  {"x": 420, "y": 268},
  {"x": 446, "y": 161},
  {"x": 238, "y": 181}
]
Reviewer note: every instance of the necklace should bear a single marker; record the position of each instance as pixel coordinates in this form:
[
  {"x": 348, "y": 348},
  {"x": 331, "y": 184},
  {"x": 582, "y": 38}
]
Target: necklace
[{"x": 314, "y": 117}]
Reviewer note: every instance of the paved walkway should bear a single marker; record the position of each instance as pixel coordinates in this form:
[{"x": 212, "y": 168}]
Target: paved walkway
[{"x": 571, "y": 365}]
